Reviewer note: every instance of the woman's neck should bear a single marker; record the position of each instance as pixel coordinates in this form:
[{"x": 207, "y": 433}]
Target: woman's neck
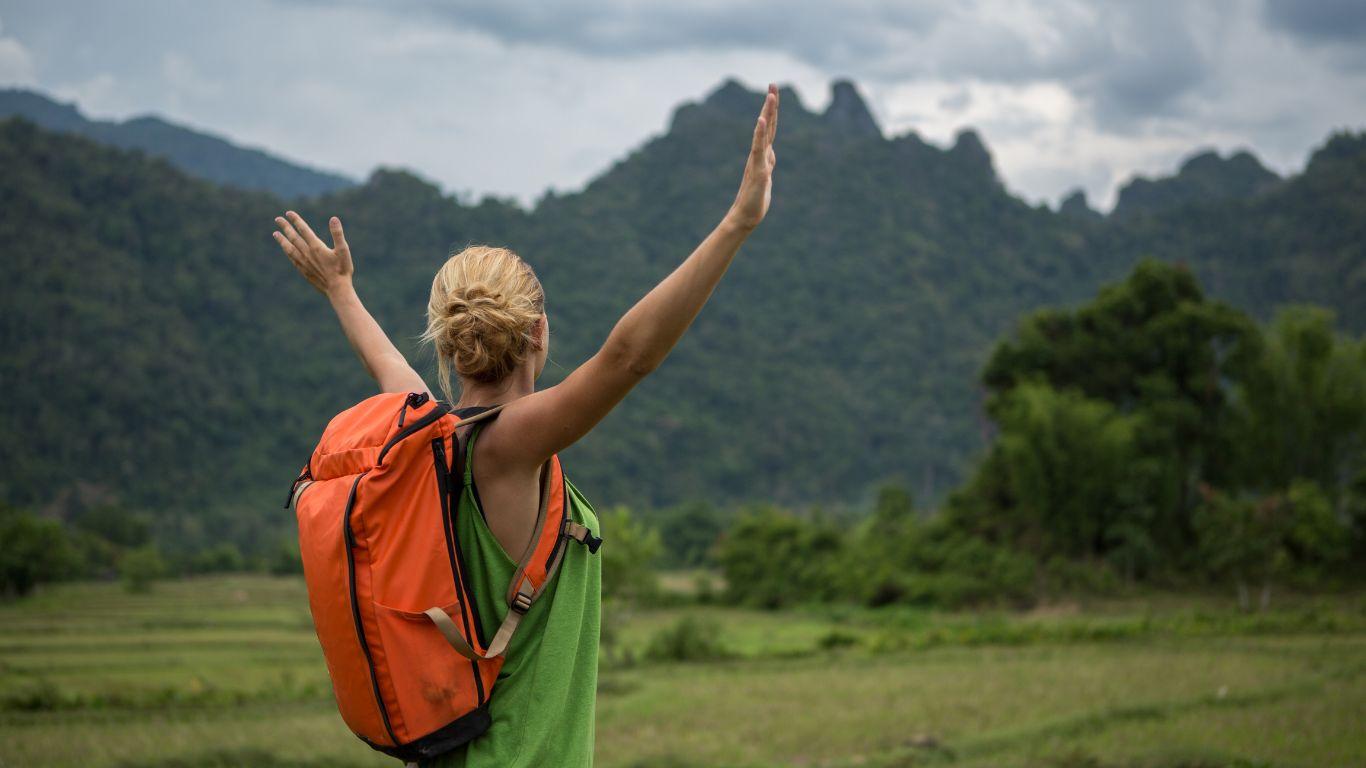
[{"x": 519, "y": 383}]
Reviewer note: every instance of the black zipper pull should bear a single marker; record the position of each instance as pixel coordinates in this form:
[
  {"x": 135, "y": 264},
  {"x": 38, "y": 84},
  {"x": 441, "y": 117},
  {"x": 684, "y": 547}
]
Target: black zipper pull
[
  {"x": 307, "y": 474},
  {"x": 414, "y": 400}
]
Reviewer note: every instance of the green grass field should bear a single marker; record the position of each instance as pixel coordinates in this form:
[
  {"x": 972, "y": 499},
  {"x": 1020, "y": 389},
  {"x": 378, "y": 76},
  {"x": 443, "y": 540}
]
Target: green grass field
[{"x": 226, "y": 672}]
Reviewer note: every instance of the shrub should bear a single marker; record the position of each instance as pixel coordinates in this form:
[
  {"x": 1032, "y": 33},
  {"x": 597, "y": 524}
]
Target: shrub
[
  {"x": 628, "y": 557},
  {"x": 32, "y": 551},
  {"x": 140, "y": 567},
  {"x": 771, "y": 558},
  {"x": 687, "y": 639}
]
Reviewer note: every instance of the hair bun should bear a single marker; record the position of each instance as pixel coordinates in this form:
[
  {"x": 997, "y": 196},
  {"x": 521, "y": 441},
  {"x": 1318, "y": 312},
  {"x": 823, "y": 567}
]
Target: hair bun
[{"x": 483, "y": 306}]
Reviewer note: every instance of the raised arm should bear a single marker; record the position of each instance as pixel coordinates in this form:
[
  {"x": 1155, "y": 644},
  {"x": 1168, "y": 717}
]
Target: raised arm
[
  {"x": 534, "y": 427},
  {"x": 330, "y": 271}
]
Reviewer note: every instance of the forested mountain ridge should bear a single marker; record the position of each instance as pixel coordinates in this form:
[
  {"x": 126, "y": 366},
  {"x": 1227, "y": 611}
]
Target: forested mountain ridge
[
  {"x": 161, "y": 354},
  {"x": 1203, "y": 178},
  {"x": 198, "y": 154}
]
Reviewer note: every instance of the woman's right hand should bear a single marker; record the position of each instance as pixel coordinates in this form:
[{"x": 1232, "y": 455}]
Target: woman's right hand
[{"x": 327, "y": 269}]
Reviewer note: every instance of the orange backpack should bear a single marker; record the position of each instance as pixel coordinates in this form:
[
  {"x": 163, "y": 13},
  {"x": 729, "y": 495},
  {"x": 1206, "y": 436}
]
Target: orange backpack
[{"x": 387, "y": 584}]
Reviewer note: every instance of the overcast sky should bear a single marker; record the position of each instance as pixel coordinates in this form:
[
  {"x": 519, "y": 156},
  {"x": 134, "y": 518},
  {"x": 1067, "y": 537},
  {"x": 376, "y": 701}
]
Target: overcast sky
[{"x": 483, "y": 98}]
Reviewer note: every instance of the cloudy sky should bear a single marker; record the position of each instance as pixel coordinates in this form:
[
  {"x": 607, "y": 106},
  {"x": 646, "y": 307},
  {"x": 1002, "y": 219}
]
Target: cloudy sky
[{"x": 483, "y": 98}]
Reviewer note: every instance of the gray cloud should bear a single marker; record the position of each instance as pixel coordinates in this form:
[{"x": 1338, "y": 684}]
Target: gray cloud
[
  {"x": 1319, "y": 20},
  {"x": 512, "y": 98},
  {"x": 1130, "y": 58}
]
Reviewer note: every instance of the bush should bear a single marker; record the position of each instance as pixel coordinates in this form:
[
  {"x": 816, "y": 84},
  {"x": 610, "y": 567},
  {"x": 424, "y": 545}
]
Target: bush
[
  {"x": 33, "y": 551},
  {"x": 688, "y": 639},
  {"x": 628, "y": 555},
  {"x": 771, "y": 558},
  {"x": 286, "y": 561},
  {"x": 223, "y": 558},
  {"x": 835, "y": 639},
  {"x": 140, "y": 567}
]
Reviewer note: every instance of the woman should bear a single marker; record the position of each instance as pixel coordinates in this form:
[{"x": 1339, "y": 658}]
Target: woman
[{"x": 486, "y": 318}]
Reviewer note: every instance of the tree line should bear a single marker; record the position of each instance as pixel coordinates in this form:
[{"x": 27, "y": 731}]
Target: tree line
[{"x": 1150, "y": 436}]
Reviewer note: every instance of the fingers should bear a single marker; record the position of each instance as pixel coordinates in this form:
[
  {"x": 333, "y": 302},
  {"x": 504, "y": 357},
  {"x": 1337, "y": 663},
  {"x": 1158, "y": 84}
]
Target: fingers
[
  {"x": 287, "y": 247},
  {"x": 303, "y": 228},
  {"x": 338, "y": 237},
  {"x": 760, "y": 141},
  {"x": 296, "y": 239},
  {"x": 773, "y": 115}
]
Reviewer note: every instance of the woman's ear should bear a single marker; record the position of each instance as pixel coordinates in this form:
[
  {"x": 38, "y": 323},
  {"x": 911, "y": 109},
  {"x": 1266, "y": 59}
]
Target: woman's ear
[{"x": 540, "y": 331}]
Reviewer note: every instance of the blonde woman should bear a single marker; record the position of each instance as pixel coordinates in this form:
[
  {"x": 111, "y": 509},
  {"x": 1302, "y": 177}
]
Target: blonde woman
[{"x": 486, "y": 319}]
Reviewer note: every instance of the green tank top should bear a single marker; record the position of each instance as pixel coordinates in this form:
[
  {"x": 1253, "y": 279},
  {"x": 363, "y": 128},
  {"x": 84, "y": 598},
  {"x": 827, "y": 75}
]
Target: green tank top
[{"x": 542, "y": 705}]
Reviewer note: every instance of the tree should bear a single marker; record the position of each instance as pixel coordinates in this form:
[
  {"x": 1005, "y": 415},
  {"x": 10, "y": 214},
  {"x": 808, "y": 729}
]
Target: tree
[
  {"x": 1302, "y": 407},
  {"x": 140, "y": 567},
  {"x": 32, "y": 551},
  {"x": 1258, "y": 540},
  {"x": 1153, "y": 347},
  {"x": 691, "y": 531},
  {"x": 628, "y": 557},
  {"x": 772, "y": 558}
]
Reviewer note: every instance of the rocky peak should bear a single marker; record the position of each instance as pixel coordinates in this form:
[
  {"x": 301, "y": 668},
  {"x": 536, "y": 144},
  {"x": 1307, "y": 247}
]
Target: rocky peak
[{"x": 848, "y": 112}]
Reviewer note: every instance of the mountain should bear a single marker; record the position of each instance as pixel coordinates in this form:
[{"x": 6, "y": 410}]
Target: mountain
[
  {"x": 198, "y": 154},
  {"x": 1204, "y": 178},
  {"x": 161, "y": 354},
  {"x": 1265, "y": 243}
]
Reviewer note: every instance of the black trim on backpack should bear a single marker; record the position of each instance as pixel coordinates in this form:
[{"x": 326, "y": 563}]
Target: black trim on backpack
[
  {"x": 306, "y": 474},
  {"x": 448, "y": 502},
  {"x": 460, "y": 457},
  {"x": 435, "y": 413},
  {"x": 460, "y": 731},
  {"x": 349, "y": 539}
]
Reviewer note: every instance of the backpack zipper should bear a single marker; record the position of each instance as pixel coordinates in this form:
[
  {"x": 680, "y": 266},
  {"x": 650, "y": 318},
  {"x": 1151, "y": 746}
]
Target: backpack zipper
[
  {"x": 349, "y": 539},
  {"x": 448, "y": 504},
  {"x": 413, "y": 400},
  {"x": 440, "y": 410}
]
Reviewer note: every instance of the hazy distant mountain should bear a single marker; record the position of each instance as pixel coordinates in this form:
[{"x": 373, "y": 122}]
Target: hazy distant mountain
[
  {"x": 197, "y": 153},
  {"x": 160, "y": 353},
  {"x": 1203, "y": 179}
]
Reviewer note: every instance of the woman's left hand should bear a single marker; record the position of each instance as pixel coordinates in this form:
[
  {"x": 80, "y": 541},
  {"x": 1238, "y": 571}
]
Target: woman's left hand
[
  {"x": 327, "y": 269},
  {"x": 756, "y": 188}
]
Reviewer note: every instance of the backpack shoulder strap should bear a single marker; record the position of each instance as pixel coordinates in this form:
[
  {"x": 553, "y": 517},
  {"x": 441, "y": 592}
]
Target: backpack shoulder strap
[
  {"x": 537, "y": 565},
  {"x": 462, "y": 440}
]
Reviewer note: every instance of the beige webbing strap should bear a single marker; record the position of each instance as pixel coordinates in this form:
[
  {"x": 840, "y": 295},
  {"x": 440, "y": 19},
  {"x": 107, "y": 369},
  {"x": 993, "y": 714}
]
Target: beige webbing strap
[
  {"x": 520, "y": 604},
  {"x": 299, "y": 491},
  {"x": 580, "y": 533}
]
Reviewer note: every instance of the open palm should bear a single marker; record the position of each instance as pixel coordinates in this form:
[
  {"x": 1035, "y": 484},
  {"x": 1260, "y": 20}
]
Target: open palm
[{"x": 325, "y": 268}]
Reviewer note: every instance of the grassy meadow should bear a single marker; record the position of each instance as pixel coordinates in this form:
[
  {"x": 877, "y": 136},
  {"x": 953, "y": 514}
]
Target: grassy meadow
[{"x": 225, "y": 671}]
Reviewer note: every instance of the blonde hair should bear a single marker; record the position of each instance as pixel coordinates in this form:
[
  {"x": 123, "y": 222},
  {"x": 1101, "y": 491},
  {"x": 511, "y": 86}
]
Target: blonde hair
[{"x": 484, "y": 304}]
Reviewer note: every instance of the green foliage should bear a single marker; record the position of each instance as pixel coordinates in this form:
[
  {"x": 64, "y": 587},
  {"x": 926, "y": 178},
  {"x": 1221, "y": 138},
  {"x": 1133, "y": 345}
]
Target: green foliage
[
  {"x": 286, "y": 560},
  {"x": 840, "y": 351},
  {"x": 223, "y": 558},
  {"x": 139, "y": 568},
  {"x": 195, "y": 153},
  {"x": 1113, "y": 417},
  {"x": 771, "y": 558},
  {"x": 32, "y": 551},
  {"x": 628, "y": 557},
  {"x": 689, "y": 533},
  {"x": 115, "y": 525},
  {"x": 1253, "y": 541},
  {"x": 690, "y": 638},
  {"x": 1302, "y": 406}
]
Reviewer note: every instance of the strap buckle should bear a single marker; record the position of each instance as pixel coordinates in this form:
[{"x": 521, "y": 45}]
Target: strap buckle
[
  {"x": 580, "y": 533},
  {"x": 521, "y": 602}
]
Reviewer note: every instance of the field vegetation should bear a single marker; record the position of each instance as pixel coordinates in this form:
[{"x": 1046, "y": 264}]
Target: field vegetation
[{"x": 226, "y": 671}]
